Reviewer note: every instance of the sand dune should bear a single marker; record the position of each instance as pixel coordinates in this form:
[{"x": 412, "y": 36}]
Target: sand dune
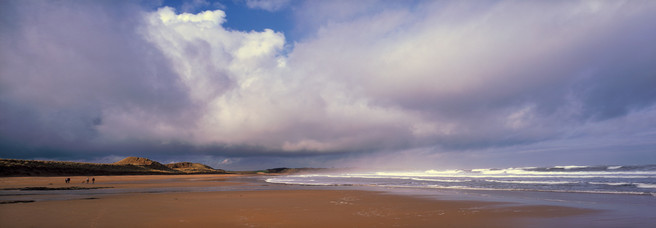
[{"x": 127, "y": 166}]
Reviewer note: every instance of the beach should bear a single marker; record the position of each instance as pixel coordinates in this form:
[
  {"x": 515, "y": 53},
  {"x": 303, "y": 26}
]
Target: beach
[{"x": 236, "y": 201}]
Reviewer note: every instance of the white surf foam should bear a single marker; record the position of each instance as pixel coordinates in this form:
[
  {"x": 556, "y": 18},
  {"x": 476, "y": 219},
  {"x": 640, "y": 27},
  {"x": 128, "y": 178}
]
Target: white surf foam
[
  {"x": 644, "y": 185},
  {"x": 571, "y": 166},
  {"x": 610, "y": 183},
  {"x": 532, "y": 182}
]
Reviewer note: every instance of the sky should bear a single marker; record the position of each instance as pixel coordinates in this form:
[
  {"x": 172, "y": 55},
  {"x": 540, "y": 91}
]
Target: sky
[{"x": 255, "y": 84}]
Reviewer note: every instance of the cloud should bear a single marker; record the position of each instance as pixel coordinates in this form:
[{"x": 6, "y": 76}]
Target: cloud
[
  {"x": 427, "y": 79},
  {"x": 224, "y": 71},
  {"x": 65, "y": 67},
  {"x": 464, "y": 77},
  {"x": 268, "y": 5},
  {"x": 193, "y": 5},
  {"x": 480, "y": 76}
]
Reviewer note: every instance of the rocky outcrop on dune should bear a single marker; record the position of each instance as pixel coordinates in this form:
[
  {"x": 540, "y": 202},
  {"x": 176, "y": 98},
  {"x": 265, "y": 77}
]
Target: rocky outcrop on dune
[
  {"x": 180, "y": 165},
  {"x": 189, "y": 167},
  {"x": 143, "y": 162}
]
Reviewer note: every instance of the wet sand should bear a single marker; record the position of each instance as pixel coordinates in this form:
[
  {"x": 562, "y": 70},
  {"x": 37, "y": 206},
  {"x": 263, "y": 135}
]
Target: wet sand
[{"x": 293, "y": 207}]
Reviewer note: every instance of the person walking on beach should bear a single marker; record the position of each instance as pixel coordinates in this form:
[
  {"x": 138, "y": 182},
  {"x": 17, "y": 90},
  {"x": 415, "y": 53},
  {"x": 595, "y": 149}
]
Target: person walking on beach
[
  {"x": 87, "y": 180},
  {"x": 93, "y": 180}
]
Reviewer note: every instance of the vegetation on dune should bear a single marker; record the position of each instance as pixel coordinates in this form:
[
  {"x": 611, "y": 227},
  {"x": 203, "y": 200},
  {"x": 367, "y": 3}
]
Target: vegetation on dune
[
  {"x": 189, "y": 167},
  {"x": 127, "y": 166}
]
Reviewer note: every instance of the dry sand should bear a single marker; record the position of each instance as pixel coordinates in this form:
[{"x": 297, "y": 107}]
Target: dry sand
[{"x": 250, "y": 208}]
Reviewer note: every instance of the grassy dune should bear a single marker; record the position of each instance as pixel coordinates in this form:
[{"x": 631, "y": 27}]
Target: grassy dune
[{"x": 127, "y": 166}]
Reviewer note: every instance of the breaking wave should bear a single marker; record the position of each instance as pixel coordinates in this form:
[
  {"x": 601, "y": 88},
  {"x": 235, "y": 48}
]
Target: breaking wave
[{"x": 572, "y": 178}]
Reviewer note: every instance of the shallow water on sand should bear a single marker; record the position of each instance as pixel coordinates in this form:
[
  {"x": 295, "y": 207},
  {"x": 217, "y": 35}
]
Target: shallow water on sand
[{"x": 616, "y": 210}]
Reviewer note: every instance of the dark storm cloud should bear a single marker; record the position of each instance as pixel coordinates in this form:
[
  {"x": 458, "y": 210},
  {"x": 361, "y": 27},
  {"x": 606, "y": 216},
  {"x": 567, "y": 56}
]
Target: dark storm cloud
[
  {"x": 504, "y": 74},
  {"x": 66, "y": 63}
]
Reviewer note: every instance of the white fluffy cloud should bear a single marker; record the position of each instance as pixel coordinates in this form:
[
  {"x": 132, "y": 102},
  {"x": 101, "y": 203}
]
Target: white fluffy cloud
[{"x": 249, "y": 94}]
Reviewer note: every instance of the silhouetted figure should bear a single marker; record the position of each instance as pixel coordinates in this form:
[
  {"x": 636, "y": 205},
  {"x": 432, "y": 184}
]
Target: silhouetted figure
[
  {"x": 93, "y": 180},
  {"x": 67, "y": 180},
  {"x": 87, "y": 180}
]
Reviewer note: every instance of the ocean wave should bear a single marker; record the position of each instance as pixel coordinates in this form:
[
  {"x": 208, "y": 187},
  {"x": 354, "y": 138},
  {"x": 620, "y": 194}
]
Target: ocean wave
[
  {"x": 458, "y": 187},
  {"x": 454, "y": 171},
  {"x": 567, "y": 171},
  {"x": 578, "y": 168},
  {"x": 573, "y": 179},
  {"x": 348, "y": 175},
  {"x": 611, "y": 183},
  {"x": 512, "y": 173},
  {"x": 532, "y": 182},
  {"x": 644, "y": 185},
  {"x": 295, "y": 182},
  {"x": 483, "y": 184},
  {"x": 572, "y": 167},
  {"x": 439, "y": 180},
  {"x": 563, "y": 173},
  {"x": 538, "y": 190},
  {"x": 646, "y": 171}
]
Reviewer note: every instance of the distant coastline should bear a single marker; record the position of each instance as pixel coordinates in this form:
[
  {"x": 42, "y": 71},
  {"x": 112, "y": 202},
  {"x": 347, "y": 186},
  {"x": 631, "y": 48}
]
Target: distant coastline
[{"x": 127, "y": 166}]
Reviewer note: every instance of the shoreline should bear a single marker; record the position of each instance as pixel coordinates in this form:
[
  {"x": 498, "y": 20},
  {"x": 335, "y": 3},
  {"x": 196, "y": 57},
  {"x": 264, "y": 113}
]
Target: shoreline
[{"x": 240, "y": 200}]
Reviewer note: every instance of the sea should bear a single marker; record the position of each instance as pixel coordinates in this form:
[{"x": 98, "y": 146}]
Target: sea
[
  {"x": 631, "y": 180},
  {"x": 621, "y": 195}
]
